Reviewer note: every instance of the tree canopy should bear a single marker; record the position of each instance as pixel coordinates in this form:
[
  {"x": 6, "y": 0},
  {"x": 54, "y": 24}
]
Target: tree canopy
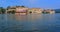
[{"x": 2, "y": 10}]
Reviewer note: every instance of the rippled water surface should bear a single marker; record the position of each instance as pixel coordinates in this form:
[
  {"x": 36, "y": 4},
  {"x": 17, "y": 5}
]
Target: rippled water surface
[{"x": 30, "y": 23}]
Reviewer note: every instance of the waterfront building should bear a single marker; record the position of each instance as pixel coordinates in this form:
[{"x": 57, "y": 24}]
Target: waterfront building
[
  {"x": 50, "y": 11},
  {"x": 8, "y": 10},
  {"x": 25, "y": 10},
  {"x": 17, "y": 9},
  {"x": 35, "y": 10},
  {"x": 22, "y": 10}
]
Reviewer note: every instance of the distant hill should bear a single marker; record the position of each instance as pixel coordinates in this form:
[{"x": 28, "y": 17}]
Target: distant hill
[{"x": 57, "y": 10}]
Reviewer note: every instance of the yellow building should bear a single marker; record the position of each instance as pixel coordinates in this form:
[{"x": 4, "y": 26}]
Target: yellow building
[{"x": 35, "y": 10}]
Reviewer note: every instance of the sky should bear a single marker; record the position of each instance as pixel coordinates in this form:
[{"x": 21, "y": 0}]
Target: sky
[{"x": 46, "y": 4}]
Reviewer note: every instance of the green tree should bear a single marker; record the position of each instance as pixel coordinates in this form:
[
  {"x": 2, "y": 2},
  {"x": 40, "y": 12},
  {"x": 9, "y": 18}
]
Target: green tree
[{"x": 2, "y": 10}]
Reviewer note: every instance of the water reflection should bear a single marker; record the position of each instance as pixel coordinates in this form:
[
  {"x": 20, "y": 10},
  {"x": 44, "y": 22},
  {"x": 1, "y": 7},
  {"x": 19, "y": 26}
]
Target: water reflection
[
  {"x": 20, "y": 17},
  {"x": 27, "y": 17},
  {"x": 36, "y": 21},
  {"x": 28, "y": 23}
]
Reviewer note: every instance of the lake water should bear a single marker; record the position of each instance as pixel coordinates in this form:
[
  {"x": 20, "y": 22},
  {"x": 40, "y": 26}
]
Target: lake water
[{"x": 30, "y": 23}]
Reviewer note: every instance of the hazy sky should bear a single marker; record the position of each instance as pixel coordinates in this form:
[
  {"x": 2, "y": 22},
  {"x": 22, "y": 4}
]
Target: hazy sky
[{"x": 32, "y": 3}]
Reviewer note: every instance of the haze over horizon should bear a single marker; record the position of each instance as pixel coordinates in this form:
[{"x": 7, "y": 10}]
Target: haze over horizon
[{"x": 47, "y": 4}]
